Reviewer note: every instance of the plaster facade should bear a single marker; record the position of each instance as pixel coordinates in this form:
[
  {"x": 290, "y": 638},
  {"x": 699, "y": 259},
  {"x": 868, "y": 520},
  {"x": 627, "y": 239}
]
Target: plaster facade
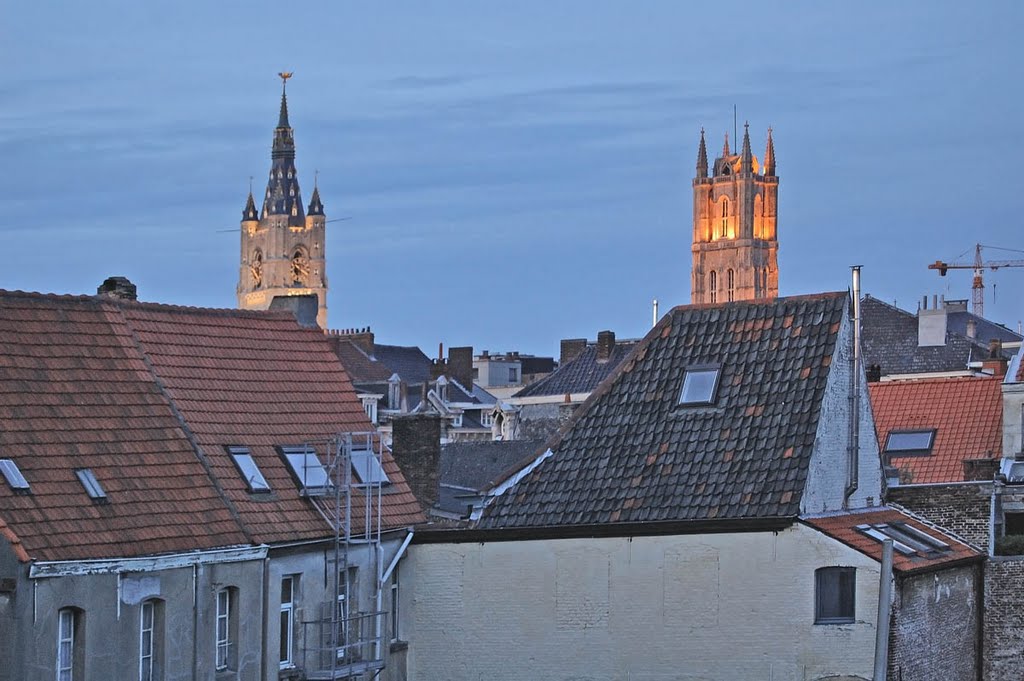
[{"x": 695, "y": 607}]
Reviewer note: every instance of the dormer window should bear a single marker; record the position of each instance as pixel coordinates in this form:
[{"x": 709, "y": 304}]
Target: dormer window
[
  {"x": 92, "y": 486},
  {"x": 13, "y": 475},
  {"x": 910, "y": 442},
  {"x": 700, "y": 386}
]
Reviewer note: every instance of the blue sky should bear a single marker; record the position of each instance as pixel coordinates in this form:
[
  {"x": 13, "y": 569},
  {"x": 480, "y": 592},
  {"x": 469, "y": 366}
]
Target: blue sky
[{"x": 514, "y": 173}]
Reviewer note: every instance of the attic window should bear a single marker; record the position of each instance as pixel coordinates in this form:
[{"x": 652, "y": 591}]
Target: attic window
[
  {"x": 700, "y": 385},
  {"x": 249, "y": 470},
  {"x": 910, "y": 442},
  {"x": 92, "y": 486},
  {"x": 307, "y": 469},
  {"x": 906, "y": 539},
  {"x": 14, "y": 477},
  {"x": 367, "y": 468}
]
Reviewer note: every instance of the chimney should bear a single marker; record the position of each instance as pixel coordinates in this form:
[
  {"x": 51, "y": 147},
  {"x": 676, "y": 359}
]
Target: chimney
[
  {"x": 304, "y": 307},
  {"x": 117, "y": 287},
  {"x": 364, "y": 340},
  {"x": 460, "y": 366},
  {"x": 995, "y": 364},
  {"x": 416, "y": 446},
  {"x": 605, "y": 345},
  {"x": 873, "y": 373},
  {"x": 931, "y": 324},
  {"x": 570, "y": 349}
]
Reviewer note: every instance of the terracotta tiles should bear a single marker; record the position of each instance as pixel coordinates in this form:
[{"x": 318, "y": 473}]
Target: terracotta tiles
[
  {"x": 966, "y": 413},
  {"x": 844, "y": 528}
]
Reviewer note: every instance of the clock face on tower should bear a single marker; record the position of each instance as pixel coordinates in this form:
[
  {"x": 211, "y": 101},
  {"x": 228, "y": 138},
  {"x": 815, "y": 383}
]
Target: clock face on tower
[{"x": 300, "y": 268}]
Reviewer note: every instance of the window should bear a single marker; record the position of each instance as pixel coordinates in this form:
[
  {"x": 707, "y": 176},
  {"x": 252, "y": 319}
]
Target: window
[
  {"x": 910, "y": 442},
  {"x": 368, "y": 469},
  {"x": 757, "y": 282},
  {"x": 476, "y": 373},
  {"x": 70, "y": 635},
  {"x": 394, "y": 605},
  {"x": 730, "y": 282},
  {"x": 457, "y": 421},
  {"x": 835, "y": 589},
  {"x": 723, "y": 228},
  {"x": 906, "y": 539},
  {"x": 699, "y": 386},
  {"x": 370, "y": 407},
  {"x": 713, "y": 286},
  {"x": 92, "y": 486},
  {"x": 227, "y": 628},
  {"x": 13, "y": 476},
  {"x": 513, "y": 375},
  {"x": 307, "y": 469},
  {"x": 347, "y": 605},
  {"x": 288, "y": 621},
  {"x": 764, "y": 281},
  {"x": 150, "y": 640},
  {"x": 249, "y": 470},
  {"x": 486, "y": 418}
]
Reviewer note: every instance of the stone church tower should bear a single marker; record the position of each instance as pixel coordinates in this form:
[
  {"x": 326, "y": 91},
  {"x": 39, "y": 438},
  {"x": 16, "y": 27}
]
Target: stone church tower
[
  {"x": 735, "y": 243},
  {"x": 283, "y": 246}
]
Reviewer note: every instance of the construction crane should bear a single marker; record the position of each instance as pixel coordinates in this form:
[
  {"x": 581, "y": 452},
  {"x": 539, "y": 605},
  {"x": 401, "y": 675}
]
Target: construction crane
[{"x": 979, "y": 265}]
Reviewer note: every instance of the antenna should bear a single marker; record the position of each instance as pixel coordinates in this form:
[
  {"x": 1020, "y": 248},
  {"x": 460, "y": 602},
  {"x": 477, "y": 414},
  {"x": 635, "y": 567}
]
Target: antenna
[
  {"x": 735, "y": 129},
  {"x": 654, "y": 321}
]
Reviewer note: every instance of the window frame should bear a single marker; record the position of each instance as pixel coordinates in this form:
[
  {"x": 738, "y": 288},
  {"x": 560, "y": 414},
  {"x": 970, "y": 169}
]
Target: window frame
[
  {"x": 261, "y": 486},
  {"x": 395, "y": 612},
  {"x": 730, "y": 288},
  {"x": 15, "y": 478},
  {"x": 917, "y": 451},
  {"x": 287, "y": 616},
  {"x": 306, "y": 451},
  {"x": 825, "y": 573},
  {"x": 91, "y": 484},
  {"x": 154, "y": 654},
  {"x": 713, "y": 286},
  {"x": 700, "y": 368},
  {"x": 370, "y": 467},
  {"x": 224, "y": 646},
  {"x": 70, "y": 656}
]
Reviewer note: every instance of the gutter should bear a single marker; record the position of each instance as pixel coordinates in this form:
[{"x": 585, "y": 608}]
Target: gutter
[{"x": 106, "y": 566}]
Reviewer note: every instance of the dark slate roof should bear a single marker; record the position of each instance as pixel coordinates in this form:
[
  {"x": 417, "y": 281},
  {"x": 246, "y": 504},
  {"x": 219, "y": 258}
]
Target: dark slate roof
[
  {"x": 889, "y": 339},
  {"x": 361, "y": 367},
  {"x": 476, "y": 465},
  {"x": 631, "y": 454},
  {"x": 984, "y": 330},
  {"x": 411, "y": 365},
  {"x": 582, "y": 374}
]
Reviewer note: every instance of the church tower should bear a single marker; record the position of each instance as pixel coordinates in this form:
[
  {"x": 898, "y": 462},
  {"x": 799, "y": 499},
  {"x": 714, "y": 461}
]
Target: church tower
[
  {"x": 735, "y": 244},
  {"x": 283, "y": 246}
]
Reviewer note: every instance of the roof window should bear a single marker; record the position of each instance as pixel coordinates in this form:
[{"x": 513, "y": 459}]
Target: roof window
[
  {"x": 700, "y": 385},
  {"x": 92, "y": 486},
  {"x": 910, "y": 442},
  {"x": 367, "y": 468},
  {"x": 249, "y": 470},
  {"x": 306, "y": 468},
  {"x": 906, "y": 539},
  {"x": 14, "y": 477}
]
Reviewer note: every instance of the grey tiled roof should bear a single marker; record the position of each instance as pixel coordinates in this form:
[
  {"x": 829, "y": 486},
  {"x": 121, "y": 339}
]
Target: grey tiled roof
[
  {"x": 889, "y": 339},
  {"x": 631, "y": 454},
  {"x": 411, "y": 365},
  {"x": 476, "y": 465},
  {"x": 984, "y": 329},
  {"x": 582, "y": 374}
]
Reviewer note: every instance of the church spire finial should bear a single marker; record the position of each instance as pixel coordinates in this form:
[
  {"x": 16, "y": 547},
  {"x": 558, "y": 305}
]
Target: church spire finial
[
  {"x": 769, "y": 156},
  {"x": 282, "y": 120},
  {"x": 702, "y": 157},
  {"x": 725, "y": 147},
  {"x": 746, "y": 156}
]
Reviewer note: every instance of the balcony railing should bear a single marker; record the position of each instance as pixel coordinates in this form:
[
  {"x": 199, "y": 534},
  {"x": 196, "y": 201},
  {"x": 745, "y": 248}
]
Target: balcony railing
[{"x": 335, "y": 648}]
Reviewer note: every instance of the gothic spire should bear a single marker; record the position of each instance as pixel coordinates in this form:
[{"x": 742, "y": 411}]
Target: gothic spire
[
  {"x": 746, "y": 157},
  {"x": 702, "y": 157},
  {"x": 250, "y": 212},
  {"x": 283, "y": 197},
  {"x": 725, "y": 148},
  {"x": 769, "y": 156},
  {"x": 316, "y": 206}
]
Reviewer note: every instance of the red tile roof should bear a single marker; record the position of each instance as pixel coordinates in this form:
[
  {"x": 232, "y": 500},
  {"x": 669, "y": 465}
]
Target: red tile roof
[
  {"x": 966, "y": 413},
  {"x": 843, "y": 527},
  {"x": 148, "y": 396}
]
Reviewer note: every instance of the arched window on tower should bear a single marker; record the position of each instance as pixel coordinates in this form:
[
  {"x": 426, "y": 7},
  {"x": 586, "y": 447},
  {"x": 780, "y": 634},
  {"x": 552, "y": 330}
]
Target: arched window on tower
[
  {"x": 730, "y": 285},
  {"x": 713, "y": 286},
  {"x": 764, "y": 281},
  {"x": 723, "y": 228}
]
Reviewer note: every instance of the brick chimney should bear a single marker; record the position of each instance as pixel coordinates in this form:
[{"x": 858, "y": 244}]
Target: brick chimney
[
  {"x": 304, "y": 307},
  {"x": 363, "y": 339},
  {"x": 570, "y": 349},
  {"x": 605, "y": 345},
  {"x": 416, "y": 446},
  {"x": 995, "y": 364},
  {"x": 460, "y": 366},
  {"x": 117, "y": 287},
  {"x": 931, "y": 323}
]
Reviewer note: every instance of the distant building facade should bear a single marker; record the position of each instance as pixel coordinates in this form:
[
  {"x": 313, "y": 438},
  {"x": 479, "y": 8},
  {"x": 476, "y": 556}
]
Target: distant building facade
[
  {"x": 735, "y": 215},
  {"x": 283, "y": 246}
]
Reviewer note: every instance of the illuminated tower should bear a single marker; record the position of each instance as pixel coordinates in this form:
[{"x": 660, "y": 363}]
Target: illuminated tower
[
  {"x": 735, "y": 244},
  {"x": 283, "y": 246}
]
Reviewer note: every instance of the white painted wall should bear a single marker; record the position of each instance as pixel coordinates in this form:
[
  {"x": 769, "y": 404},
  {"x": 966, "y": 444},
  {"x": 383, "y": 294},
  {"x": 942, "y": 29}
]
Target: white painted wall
[
  {"x": 694, "y": 608},
  {"x": 1013, "y": 418}
]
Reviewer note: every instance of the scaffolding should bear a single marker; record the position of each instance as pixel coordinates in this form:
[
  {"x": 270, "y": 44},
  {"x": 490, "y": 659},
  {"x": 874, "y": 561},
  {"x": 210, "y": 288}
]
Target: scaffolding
[{"x": 340, "y": 641}]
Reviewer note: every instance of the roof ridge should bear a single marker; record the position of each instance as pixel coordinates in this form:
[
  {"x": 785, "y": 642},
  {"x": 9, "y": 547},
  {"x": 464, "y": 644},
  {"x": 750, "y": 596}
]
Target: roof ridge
[{"x": 761, "y": 301}]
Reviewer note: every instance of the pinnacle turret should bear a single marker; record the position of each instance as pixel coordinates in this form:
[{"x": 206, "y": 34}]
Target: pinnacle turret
[
  {"x": 769, "y": 156},
  {"x": 725, "y": 147},
  {"x": 316, "y": 207},
  {"x": 746, "y": 156},
  {"x": 250, "y": 212},
  {"x": 702, "y": 157}
]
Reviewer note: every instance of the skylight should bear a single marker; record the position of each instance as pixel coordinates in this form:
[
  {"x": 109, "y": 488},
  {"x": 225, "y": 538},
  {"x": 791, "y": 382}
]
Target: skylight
[
  {"x": 307, "y": 469},
  {"x": 368, "y": 469},
  {"x": 13, "y": 476},
  {"x": 92, "y": 486},
  {"x": 906, "y": 539},
  {"x": 699, "y": 386},
  {"x": 249, "y": 470},
  {"x": 910, "y": 442}
]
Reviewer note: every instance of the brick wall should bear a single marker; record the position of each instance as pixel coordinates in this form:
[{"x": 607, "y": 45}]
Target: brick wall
[
  {"x": 1004, "y": 619},
  {"x": 963, "y": 509},
  {"x": 541, "y": 421},
  {"x": 416, "y": 446},
  {"x": 934, "y": 627}
]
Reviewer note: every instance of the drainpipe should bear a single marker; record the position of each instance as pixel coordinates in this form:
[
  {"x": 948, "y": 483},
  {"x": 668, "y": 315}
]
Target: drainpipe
[
  {"x": 382, "y": 577},
  {"x": 884, "y": 613},
  {"x": 853, "y": 454}
]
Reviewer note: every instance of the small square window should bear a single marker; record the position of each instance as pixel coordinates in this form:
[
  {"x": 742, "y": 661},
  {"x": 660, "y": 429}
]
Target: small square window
[
  {"x": 249, "y": 470},
  {"x": 835, "y": 590},
  {"x": 910, "y": 442},
  {"x": 307, "y": 469},
  {"x": 92, "y": 486},
  {"x": 13, "y": 475},
  {"x": 368, "y": 469},
  {"x": 700, "y": 385}
]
